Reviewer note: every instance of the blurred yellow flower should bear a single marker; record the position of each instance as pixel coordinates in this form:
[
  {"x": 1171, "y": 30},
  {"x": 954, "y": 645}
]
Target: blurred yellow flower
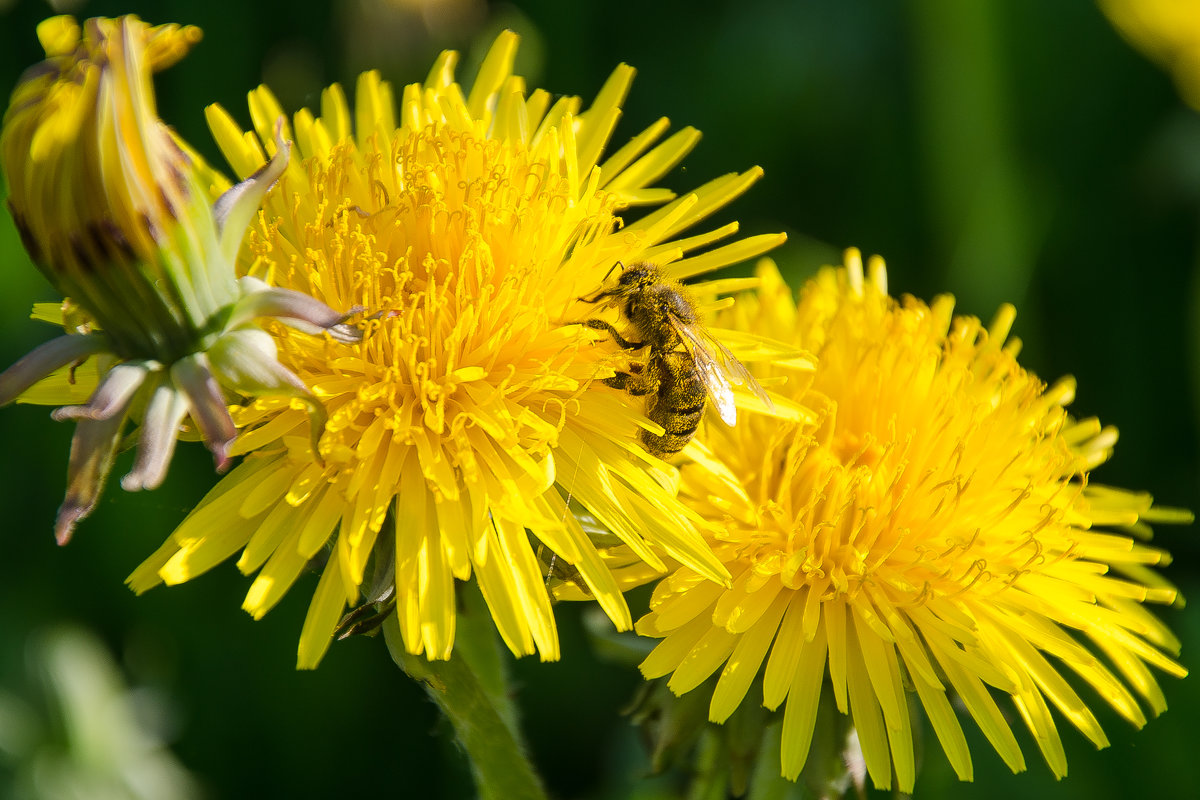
[
  {"x": 1168, "y": 31},
  {"x": 469, "y": 225},
  {"x": 112, "y": 211},
  {"x": 935, "y": 529}
]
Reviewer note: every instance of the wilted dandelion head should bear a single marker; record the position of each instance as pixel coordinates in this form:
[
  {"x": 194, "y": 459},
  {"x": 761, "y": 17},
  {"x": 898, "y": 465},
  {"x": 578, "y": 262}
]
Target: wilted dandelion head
[
  {"x": 934, "y": 529},
  {"x": 468, "y": 225}
]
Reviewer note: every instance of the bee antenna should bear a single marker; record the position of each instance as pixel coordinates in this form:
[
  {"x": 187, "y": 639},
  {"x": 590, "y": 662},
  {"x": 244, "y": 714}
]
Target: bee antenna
[
  {"x": 610, "y": 270},
  {"x": 602, "y": 293}
]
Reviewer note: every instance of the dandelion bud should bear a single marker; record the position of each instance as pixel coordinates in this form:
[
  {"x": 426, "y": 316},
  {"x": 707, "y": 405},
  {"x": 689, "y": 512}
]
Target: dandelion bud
[{"x": 116, "y": 214}]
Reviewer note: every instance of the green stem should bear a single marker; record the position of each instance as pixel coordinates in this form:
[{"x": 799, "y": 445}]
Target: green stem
[
  {"x": 478, "y": 643},
  {"x": 472, "y": 693}
]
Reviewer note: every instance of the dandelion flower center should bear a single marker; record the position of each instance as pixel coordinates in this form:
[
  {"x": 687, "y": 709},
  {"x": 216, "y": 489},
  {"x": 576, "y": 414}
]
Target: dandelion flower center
[
  {"x": 938, "y": 464},
  {"x": 458, "y": 276}
]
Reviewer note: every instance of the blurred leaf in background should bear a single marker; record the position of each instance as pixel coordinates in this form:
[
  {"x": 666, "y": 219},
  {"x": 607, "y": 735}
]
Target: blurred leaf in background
[{"x": 78, "y": 731}]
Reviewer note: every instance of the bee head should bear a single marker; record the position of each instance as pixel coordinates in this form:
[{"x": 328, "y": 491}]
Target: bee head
[
  {"x": 634, "y": 281},
  {"x": 637, "y": 275}
]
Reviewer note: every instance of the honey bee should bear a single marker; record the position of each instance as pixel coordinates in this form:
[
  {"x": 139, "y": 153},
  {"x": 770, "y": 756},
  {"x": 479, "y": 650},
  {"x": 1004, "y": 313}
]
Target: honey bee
[{"x": 685, "y": 366}]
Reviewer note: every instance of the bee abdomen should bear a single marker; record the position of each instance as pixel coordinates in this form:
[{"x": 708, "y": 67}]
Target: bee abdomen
[
  {"x": 678, "y": 405},
  {"x": 680, "y": 427}
]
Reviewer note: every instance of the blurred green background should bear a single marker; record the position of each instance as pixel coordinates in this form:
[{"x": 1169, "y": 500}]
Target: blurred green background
[{"x": 1002, "y": 150}]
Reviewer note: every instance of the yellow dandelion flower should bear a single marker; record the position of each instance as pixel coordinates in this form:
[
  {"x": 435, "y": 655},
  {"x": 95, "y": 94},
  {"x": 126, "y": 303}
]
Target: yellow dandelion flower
[
  {"x": 113, "y": 212},
  {"x": 469, "y": 225},
  {"x": 1167, "y": 31},
  {"x": 935, "y": 529}
]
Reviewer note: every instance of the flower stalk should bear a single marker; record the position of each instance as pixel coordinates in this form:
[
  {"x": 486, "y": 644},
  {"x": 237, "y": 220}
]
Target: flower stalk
[{"x": 472, "y": 690}]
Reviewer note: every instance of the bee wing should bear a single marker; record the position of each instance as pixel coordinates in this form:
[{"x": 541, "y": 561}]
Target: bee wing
[
  {"x": 712, "y": 374},
  {"x": 741, "y": 375},
  {"x": 714, "y": 359}
]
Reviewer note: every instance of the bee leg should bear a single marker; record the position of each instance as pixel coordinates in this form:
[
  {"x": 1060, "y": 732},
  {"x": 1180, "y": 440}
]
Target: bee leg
[
  {"x": 642, "y": 381},
  {"x": 622, "y": 342},
  {"x": 601, "y": 295},
  {"x": 633, "y": 385}
]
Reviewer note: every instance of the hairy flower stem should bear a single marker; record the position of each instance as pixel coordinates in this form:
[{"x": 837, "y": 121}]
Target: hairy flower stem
[{"x": 471, "y": 689}]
